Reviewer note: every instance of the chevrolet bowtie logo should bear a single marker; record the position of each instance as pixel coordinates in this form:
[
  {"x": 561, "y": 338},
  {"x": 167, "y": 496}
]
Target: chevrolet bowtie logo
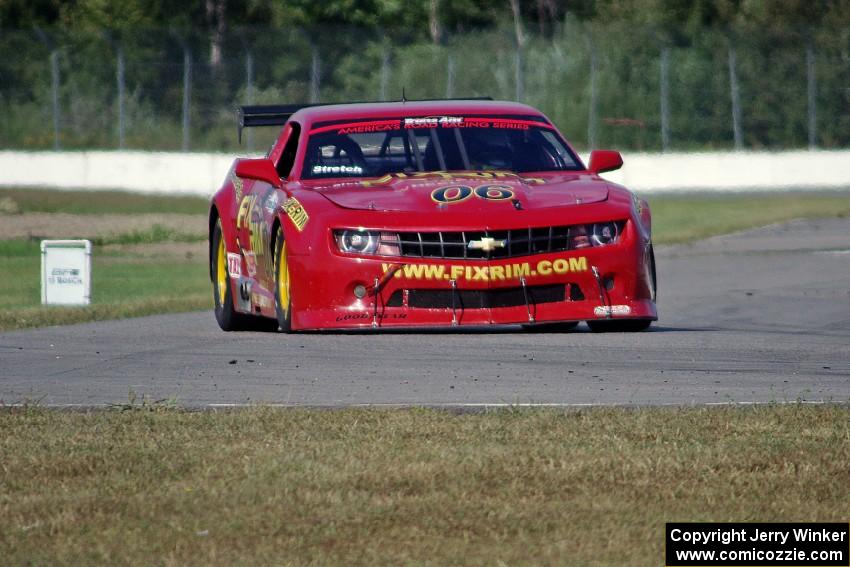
[{"x": 486, "y": 244}]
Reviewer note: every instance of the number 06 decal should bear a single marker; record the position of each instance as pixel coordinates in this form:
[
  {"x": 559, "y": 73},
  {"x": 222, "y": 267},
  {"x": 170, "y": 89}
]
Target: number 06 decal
[
  {"x": 458, "y": 193},
  {"x": 494, "y": 192},
  {"x": 451, "y": 193}
]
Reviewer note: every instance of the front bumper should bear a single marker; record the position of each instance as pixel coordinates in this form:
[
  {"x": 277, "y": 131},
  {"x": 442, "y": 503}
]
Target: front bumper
[{"x": 608, "y": 282}]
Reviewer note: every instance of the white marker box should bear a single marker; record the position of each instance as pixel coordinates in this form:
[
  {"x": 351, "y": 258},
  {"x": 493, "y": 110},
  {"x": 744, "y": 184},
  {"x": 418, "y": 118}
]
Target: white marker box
[{"x": 65, "y": 272}]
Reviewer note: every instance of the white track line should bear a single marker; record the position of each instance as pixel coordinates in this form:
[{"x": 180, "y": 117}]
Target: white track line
[{"x": 449, "y": 405}]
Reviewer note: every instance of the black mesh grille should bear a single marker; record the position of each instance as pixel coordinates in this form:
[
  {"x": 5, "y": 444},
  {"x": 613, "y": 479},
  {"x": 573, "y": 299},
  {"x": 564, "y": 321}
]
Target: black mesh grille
[
  {"x": 478, "y": 299},
  {"x": 517, "y": 242}
]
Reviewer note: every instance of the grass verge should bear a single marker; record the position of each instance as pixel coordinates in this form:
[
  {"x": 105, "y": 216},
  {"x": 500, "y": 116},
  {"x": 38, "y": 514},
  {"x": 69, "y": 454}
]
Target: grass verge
[
  {"x": 154, "y": 235},
  {"x": 32, "y": 200},
  {"x": 27, "y": 317},
  {"x": 123, "y": 285},
  {"x": 370, "y": 487},
  {"x": 686, "y": 217}
]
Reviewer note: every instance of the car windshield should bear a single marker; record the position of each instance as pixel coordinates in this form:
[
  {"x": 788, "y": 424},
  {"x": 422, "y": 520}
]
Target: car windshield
[{"x": 376, "y": 147}]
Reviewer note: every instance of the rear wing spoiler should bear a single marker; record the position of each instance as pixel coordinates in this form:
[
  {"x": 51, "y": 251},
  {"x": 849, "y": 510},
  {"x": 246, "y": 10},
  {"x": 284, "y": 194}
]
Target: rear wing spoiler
[
  {"x": 278, "y": 114},
  {"x": 266, "y": 115}
]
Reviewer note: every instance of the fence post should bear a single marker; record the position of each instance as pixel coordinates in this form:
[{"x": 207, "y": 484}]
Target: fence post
[
  {"x": 187, "y": 93},
  {"x": 315, "y": 75},
  {"x": 385, "y": 74},
  {"x": 119, "y": 77},
  {"x": 54, "y": 95},
  {"x": 520, "y": 76},
  {"x": 519, "y": 34},
  {"x": 665, "y": 99},
  {"x": 811, "y": 88},
  {"x": 591, "y": 113},
  {"x": 450, "y": 75},
  {"x": 54, "y": 83},
  {"x": 249, "y": 93},
  {"x": 735, "y": 93}
]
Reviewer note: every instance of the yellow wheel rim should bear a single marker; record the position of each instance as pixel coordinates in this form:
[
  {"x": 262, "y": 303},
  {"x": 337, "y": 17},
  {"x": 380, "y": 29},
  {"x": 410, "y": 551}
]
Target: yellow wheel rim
[
  {"x": 283, "y": 280},
  {"x": 221, "y": 272}
]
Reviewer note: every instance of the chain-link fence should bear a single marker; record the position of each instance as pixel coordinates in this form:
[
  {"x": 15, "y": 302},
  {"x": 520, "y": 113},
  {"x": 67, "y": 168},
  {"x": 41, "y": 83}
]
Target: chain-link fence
[{"x": 613, "y": 86}]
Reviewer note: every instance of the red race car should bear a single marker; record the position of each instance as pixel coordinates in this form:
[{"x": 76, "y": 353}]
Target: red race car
[{"x": 426, "y": 214}]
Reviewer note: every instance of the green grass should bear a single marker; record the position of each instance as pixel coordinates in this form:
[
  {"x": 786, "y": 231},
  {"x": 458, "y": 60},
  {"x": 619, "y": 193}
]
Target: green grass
[
  {"x": 415, "y": 487},
  {"x": 123, "y": 285},
  {"x": 114, "y": 279},
  {"x": 126, "y": 284},
  {"x": 98, "y": 202},
  {"x": 20, "y": 248},
  {"x": 157, "y": 233},
  {"x": 685, "y": 218}
]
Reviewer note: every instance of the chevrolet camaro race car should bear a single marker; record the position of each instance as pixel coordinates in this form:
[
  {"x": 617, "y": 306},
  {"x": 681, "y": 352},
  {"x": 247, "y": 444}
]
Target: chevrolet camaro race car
[{"x": 426, "y": 214}]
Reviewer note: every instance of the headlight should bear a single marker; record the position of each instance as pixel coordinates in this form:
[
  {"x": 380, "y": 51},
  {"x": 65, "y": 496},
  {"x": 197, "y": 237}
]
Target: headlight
[
  {"x": 604, "y": 233},
  {"x": 367, "y": 242},
  {"x": 357, "y": 241},
  {"x": 599, "y": 234}
]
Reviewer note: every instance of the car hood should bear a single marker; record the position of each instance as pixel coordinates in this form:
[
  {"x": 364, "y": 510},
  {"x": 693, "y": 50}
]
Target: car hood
[{"x": 420, "y": 193}]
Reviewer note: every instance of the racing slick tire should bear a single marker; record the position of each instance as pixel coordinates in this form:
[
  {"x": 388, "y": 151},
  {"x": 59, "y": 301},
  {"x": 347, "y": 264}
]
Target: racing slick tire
[
  {"x": 283, "y": 301},
  {"x": 619, "y": 326},
  {"x": 228, "y": 319},
  {"x": 550, "y": 327}
]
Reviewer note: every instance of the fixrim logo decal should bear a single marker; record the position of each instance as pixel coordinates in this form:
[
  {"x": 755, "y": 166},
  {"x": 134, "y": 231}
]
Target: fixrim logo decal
[{"x": 543, "y": 268}]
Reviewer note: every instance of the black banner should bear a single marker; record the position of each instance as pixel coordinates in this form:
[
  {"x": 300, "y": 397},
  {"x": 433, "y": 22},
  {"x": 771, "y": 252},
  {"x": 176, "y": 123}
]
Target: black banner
[{"x": 758, "y": 545}]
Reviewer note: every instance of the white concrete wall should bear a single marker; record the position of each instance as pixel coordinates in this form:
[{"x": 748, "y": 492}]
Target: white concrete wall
[
  {"x": 202, "y": 174},
  {"x": 144, "y": 172},
  {"x": 734, "y": 171}
]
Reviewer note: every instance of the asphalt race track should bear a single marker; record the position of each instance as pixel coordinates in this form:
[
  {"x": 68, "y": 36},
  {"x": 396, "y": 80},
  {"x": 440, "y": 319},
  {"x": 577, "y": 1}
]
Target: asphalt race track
[{"x": 762, "y": 316}]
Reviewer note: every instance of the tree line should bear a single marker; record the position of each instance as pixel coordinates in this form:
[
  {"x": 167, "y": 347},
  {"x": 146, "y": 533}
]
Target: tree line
[{"x": 639, "y": 74}]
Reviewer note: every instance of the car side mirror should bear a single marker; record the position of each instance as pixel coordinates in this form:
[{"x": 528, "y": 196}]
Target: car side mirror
[
  {"x": 604, "y": 160},
  {"x": 259, "y": 170}
]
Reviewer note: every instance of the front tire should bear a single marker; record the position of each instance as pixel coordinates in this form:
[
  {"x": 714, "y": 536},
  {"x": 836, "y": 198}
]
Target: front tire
[
  {"x": 619, "y": 326},
  {"x": 550, "y": 327},
  {"x": 283, "y": 300},
  {"x": 226, "y": 316}
]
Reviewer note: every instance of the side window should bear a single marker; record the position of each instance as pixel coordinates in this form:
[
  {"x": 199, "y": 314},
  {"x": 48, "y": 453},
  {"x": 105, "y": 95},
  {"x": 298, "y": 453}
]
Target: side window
[{"x": 287, "y": 157}]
